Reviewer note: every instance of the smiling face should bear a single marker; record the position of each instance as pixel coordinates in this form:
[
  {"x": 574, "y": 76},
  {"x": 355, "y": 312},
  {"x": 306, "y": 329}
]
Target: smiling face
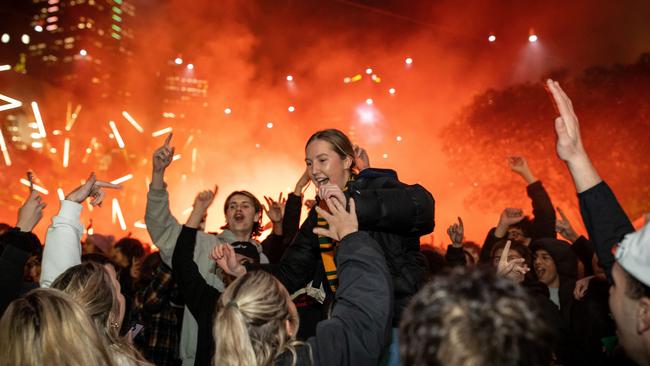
[
  {"x": 241, "y": 215},
  {"x": 324, "y": 165},
  {"x": 545, "y": 269}
]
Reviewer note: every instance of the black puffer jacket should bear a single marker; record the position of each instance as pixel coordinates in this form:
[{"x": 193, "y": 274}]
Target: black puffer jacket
[{"x": 393, "y": 213}]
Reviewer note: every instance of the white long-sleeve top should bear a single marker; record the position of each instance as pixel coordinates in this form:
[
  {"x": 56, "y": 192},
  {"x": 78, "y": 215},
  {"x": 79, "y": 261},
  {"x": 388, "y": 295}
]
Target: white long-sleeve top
[{"x": 62, "y": 242}]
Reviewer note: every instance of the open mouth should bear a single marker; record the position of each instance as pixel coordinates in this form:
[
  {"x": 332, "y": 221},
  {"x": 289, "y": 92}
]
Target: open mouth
[
  {"x": 320, "y": 181},
  {"x": 239, "y": 217},
  {"x": 540, "y": 271}
]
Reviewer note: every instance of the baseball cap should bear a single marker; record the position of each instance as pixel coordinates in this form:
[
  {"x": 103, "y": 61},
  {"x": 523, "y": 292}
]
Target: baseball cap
[
  {"x": 633, "y": 254},
  {"x": 246, "y": 249}
]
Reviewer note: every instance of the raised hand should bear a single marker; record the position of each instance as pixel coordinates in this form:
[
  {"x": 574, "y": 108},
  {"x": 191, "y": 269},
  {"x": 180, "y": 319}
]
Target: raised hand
[
  {"x": 163, "y": 156},
  {"x": 455, "y": 233},
  {"x": 274, "y": 209},
  {"x": 202, "y": 202},
  {"x": 331, "y": 190},
  {"x": 515, "y": 269},
  {"x": 92, "y": 188},
  {"x": 509, "y": 216},
  {"x": 302, "y": 183},
  {"x": 226, "y": 258},
  {"x": 31, "y": 212},
  {"x": 519, "y": 165},
  {"x": 581, "y": 287},
  {"x": 361, "y": 159},
  {"x": 310, "y": 203},
  {"x": 341, "y": 222},
  {"x": 564, "y": 228}
]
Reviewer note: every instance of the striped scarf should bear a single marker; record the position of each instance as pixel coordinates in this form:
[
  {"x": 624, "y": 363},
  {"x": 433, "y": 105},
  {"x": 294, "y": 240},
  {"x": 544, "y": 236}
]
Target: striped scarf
[{"x": 328, "y": 246}]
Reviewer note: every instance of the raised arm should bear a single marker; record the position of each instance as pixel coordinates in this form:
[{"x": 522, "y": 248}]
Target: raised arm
[
  {"x": 604, "y": 218},
  {"x": 63, "y": 238}
]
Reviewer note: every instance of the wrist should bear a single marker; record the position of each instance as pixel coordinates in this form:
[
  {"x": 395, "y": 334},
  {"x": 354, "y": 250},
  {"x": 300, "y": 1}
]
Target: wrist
[
  {"x": 24, "y": 227},
  {"x": 500, "y": 230}
]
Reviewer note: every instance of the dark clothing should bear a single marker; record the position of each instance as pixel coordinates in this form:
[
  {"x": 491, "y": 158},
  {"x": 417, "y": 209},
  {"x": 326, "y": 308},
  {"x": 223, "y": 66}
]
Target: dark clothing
[
  {"x": 275, "y": 245},
  {"x": 584, "y": 250},
  {"x": 360, "y": 324},
  {"x": 156, "y": 307},
  {"x": 393, "y": 213},
  {"x": 200, "y": 298},
  {"x": 543, "y": 224},
  {"x": 455, "y": 257},
  {"x": 606, "y": 222},
  {"x": 17, "y": 247}
]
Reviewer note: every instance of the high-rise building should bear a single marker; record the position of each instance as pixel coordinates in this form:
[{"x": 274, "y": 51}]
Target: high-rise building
[
  {"x": 15, "y": 34},
  {"x": 184, "y": 93},
  {"x": 82, "y": 45}
]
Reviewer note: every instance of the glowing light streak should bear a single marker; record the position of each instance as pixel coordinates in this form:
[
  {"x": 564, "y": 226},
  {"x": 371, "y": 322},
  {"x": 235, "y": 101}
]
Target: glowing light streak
[
  {"x": 66, "y": 152},
  {"x": 176, "y": 157},
  {"x": 139, "y": 224},
  {"x": 118, "y": 137},
  {"x": 356, "y": 78},
  {"x": 132, "y": 121},
  {"x": 122, "y": 179},
  {"x": 72, "y": 118},
  {"x": 39, "y": 119},
  {"x": 194, "y": 152},
  {"x": 3, "y": 147},
  {"x": 118, "y": 212},
  {"x": 5, "y": 67},
  {"x": 376, "y": 78},
  {"x": 187, "y": 211},
  {"x": 161, "y": 132},
  {"x": 38, "y": 188},
  {"x": 59, "y": 192},
  {"x": 147, "y": 182},
  {"x": 11, "y": 103}
]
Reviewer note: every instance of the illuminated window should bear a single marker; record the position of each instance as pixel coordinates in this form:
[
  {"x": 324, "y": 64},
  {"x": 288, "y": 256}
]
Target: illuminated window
[
  {"x": 116, "y": 36},
  {"x": 117, "y": 18},
  {"x": 117, "y": 10},
  {"x": 116, "y": 28}
]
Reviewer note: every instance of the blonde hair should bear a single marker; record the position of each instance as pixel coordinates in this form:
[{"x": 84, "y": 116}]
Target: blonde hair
[
  {"x": 250, "y": 326},
  {"x": 47, "y": 326},
  {"x": 92, "y": 287}
]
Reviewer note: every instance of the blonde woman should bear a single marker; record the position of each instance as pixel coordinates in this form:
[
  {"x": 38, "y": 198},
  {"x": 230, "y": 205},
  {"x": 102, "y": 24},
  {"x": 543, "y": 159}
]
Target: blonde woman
[
  {"x": 257, "y": 321},
  {"x": 47, "y": 327}
]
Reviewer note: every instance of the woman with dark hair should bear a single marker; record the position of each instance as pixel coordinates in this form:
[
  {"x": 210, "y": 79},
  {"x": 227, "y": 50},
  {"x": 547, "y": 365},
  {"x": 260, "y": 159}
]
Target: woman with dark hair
[{"x": 393, "y": 213}]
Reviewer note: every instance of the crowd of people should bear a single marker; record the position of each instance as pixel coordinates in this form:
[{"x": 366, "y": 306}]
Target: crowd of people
[{"x": 350, "y": 285}]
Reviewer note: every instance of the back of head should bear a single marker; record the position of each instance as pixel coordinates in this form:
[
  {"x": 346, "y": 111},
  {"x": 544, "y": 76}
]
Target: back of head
[
  {"x": 250, "y": 326},
  {"x": 473, "y": 317},
  {"x": 47, "y": 326},
  {"x": 130, "y": 247}
]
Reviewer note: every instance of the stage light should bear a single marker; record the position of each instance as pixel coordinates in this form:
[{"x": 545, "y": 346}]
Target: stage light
[
  {"x": 83, "y": 52},
  {"x": 347, "y": 79},
  {"x": 178, "y": 61},
  {"x": 289, "y": 78},
  {"x": 24, "y": 38},
  {"x": 132, "y": 121},
  {"x": 39, "y": 119},
  {"x": 269, "y": 125},
  {"x": 391, "y": 90},
  {"x": 227, "y": 111},
  {"x": 368, "y": 71},
  {"x": 5, "y": 38},
  {"x": 38, "y": 28},
  {"x": 532, "y": 38},
  {"x": 492, "y": 38},
  {"x": 190, "y": 66},
  {"x": 369, "y": 101},
  {"x": 291, "y": 108},
  {"x": 385, "y": 156},
  {"x": 117, "y": 135},
  {"x": 408, "y": 60},
  {"x": 398, "y": 138}
]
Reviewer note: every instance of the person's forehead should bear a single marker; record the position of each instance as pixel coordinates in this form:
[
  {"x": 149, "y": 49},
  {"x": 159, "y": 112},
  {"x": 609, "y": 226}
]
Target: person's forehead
[
  {"x": 541, "y": 252},
  {"x": 240, "y": 198}
]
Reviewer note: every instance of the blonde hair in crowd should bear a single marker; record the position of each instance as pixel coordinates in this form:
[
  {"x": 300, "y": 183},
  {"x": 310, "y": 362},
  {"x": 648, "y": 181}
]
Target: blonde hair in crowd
[
  {"x": 249, "y": 328},
  {"x": 92, "y": 287},
  {"x": 47, "y": 326}
]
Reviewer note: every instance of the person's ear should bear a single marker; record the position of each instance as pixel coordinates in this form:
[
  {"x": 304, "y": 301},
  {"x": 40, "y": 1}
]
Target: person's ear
[
  {"x": 289, "y": 328},
  {"x": 347, "y": 162},
  {"x": 257, "y": 216},
  {"x": 643, "y": 315}
]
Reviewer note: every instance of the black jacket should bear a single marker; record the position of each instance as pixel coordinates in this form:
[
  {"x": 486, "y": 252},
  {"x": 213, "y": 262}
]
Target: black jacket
[
  {"x": 360, "y": 324},
  {"x": 393, "y": 213},
  {"x": 200, "y": 298},
  {"x": 543, "y": 224},
  {"x": 17, "y": 247}
]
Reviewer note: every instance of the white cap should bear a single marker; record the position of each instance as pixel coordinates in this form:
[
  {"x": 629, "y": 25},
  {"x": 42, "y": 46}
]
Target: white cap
[{"x": 634, "y": 254}]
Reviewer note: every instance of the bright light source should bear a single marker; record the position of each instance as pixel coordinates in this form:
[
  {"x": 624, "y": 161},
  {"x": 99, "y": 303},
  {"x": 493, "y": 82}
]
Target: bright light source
[
  {"x": 257, "y": 146},
  {"x": 366, "y": 115},
  {"x": 190, "y": 66},
  {"x": 59, "y": 192},
  {"x": 227, "y": 111},
  {"x": 408, "y": 60},
  {"x": 66, "y": 152},
  {"x": 53, "y": 150},
  {"x": 161, "y": 132},
  {"x": 38, "y": 28},
  {"x": 35, "y": 135},
  {"x": 83, "y": 52},
  {"x": 368, "y": 71},
  {"x": 3, "y": 147},
  {"x": 398, "y": 138},
  {"x": 178, "y": 61},
  {"x": 122, "y": 179},
  {"x": 369, "y": 101},
  {"x": 37, "y": 144},
  {"x": 117, "y": 211},
  {"x": 385, "y": 156},
  {"x": 117, "y": 135},
  {"x": 347, "y": 79},
  {"x": 11, "y": 103},
  {"x": 176, "y": 157},
  {"x": 269, "y": 125},
  {"x": 391, "y": 90},
  {"x": 39, "y": 119},
  {"x": 532, "y": 38},
  {"x": 5, "y": 67},
  {"x": 24, "y": 38},
  {"x": 291, "y": 108},
  {"x": 139, "y": 224},
  {"x": 37, "y": 188},
  {"x": 5, "y": 38},
  {"x": 289, "y": 78},
  {"x": 492, "y": 38},
  {"x": 132, "y": 121}
]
